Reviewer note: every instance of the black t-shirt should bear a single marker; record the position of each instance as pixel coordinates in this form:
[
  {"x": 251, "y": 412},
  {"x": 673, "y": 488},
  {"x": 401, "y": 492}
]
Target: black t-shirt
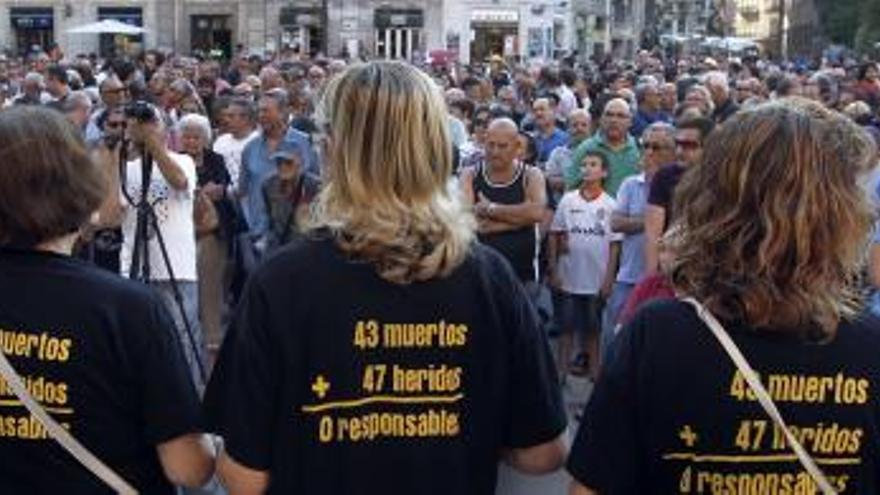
[
  {"x": 671, "y": 414},
  {"x": 663, "y": 188},
  {"x": 100, "y": 353},
  {"x": 336, "y": 381}
]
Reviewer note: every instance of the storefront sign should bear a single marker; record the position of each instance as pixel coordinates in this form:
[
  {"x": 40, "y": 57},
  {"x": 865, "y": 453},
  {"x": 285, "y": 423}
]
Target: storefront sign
[
  {"x": 132, "y": 16},
  {"x": 388, "y": 18},
  {"x": 32, "y": 18},
  {"x": 491, "y": 16}
]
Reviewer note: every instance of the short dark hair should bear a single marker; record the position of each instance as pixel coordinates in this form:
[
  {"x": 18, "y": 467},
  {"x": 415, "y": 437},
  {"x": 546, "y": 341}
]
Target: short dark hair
[
  {"x": 58, "y": 73},
  {"x": 49, "y": 186},
  {"x": 105, "y": 114},
  {"x": 568, "y": 76},
  {"x": 470, "y": 82},
  {"x": 601, "y": 156},
  {"x": 863, "y": 69},
  {"x": 606, "y": 165},
  {"x": 702, "y": 124},
  {"x": 466, "y": 107}
]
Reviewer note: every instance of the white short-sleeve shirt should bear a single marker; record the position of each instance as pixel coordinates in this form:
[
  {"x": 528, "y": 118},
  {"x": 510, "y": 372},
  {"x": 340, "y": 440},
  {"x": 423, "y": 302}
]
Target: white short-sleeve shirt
[
  {"x": 587, "y": 242},
  {"x": 174, "y": 211}
]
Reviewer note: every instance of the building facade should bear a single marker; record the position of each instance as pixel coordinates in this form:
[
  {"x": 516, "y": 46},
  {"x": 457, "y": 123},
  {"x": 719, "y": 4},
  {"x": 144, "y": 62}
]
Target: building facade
[
  {"x": 610, "y": 26},
  {"x": 783, "y": 27},
  {"x": 688, "y": 17},
  {"x": 28, "y": 23},
  {"x": 390, "y": 28},
  {"x": 474, "y": 30}
]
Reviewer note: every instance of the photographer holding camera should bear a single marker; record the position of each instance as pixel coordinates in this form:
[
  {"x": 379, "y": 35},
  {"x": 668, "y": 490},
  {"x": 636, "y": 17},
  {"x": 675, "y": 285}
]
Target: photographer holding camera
[
  {"x": 92, "y": 349},
  {"x": 168, "y": 197}
]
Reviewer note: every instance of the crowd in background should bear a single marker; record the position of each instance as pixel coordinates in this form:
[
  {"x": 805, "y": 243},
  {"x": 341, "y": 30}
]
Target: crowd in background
[{"x": 570, "y": 168}]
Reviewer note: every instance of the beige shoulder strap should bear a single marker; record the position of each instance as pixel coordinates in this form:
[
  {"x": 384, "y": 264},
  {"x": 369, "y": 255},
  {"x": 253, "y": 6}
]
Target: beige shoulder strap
[
  {"x": 62, "y": 436},
  {"x": 761, "y": 393}
]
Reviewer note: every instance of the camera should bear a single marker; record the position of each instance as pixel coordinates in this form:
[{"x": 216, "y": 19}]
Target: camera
[{"x": 140, "y": 111}]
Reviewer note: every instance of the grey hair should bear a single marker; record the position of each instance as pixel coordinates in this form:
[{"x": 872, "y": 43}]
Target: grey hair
[
  {"x": 76, "y": 99},
  {"x": 643, "y": 88},
  {"x": 621, "y": 101},
  {"x": 668, "y": 130},
  {"x": 34, "y": 77},
  {"x": 247, "y": 106},
  {"x": 198, "y": 122},
  {"x": 280, "y": 97},
  {"x": 718, "y": 79},
  {"x": 580, "y": 111}
]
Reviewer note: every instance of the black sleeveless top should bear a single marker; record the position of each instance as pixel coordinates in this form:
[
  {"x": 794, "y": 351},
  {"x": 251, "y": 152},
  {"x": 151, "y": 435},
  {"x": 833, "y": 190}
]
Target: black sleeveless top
[{"x": 520, "y": 246}]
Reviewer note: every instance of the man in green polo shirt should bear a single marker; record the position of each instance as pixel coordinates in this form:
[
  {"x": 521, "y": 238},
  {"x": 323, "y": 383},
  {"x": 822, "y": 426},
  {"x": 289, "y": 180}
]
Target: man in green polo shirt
[{"x": 612, "y": 140}]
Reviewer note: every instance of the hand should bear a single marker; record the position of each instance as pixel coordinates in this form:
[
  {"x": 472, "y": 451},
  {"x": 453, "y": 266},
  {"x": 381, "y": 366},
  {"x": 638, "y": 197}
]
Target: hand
[
  {"x": 147, "y": 133},
  {"x": 215, "y": 192},
  {"x": 553, "y": 279},
  {"x": 154, "y": 139},
  {"x": 563, "y": 243},
  {"x": 483, "y": 208},
  {"x": 605, "y": 290}
]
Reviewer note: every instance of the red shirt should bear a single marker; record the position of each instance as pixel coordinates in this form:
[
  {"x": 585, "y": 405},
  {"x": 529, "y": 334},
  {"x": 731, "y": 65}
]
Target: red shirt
[{"x": 651, "y": 288}]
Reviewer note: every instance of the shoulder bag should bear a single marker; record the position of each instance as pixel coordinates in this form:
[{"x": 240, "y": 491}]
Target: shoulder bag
[
  {"x": 761, "y": 393},
  {"x": 60, "y": 435}
]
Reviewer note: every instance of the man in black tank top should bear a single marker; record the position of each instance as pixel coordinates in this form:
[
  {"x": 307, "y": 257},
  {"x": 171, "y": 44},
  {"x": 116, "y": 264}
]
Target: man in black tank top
[{"x": 509, "y": 199}]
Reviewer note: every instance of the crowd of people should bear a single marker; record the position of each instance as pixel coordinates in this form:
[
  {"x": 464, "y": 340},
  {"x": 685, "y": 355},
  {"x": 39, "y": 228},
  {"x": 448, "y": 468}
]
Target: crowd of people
[{"x": 252, "y": 194}]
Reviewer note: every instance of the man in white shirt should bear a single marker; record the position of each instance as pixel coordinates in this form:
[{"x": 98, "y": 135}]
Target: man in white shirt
[
  {"x": 240, "y": 118},
  {"x": 171, "y": 195}
]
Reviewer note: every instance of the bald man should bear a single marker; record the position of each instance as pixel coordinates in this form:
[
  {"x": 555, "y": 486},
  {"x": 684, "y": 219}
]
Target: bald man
[
  {"x": 615, "y": 142},
  {"x": 509, "y": 199}
]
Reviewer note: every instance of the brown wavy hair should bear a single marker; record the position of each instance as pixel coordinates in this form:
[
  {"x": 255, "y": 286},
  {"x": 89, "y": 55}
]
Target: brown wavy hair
[
  {"x": 773, "y": 225},
  {"x": 388, "y": 196}
]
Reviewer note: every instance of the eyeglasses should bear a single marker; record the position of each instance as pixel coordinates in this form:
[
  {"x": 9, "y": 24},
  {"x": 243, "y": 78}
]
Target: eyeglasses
[
  {"x": 617, "y": 115},
  {"x": 116, "y": 125},
  {"x": 688, "y": 145},
  {"x": 115, "y": 91},
  {"x": 654, "y": 146}
]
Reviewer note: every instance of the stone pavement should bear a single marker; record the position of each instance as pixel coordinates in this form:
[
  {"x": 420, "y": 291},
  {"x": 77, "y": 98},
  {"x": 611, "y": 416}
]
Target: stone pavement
[{"x": 575, "y": 392}]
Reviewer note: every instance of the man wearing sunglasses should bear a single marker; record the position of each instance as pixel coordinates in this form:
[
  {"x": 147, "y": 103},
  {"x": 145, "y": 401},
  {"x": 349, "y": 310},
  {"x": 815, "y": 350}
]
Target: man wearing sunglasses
[
  {"x": 113, "y": 94},
  {"x": 690, "y": 135}
]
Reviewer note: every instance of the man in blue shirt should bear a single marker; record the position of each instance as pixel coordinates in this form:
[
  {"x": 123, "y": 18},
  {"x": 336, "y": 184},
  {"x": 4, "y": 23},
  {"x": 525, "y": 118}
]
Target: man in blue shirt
[
  {"x": 548, "y": 137},
  {"x": 649, "y": 108},
  {"x": 256, "y": 164},
  {"x": 628, "y": 218}
]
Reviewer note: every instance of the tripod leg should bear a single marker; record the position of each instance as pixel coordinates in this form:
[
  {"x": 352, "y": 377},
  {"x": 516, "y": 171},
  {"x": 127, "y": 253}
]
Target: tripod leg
[{"x": 187, "y": 308}]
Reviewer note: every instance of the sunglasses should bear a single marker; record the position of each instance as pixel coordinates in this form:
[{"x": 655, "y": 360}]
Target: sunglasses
[
  {"x": 116, "y": 125},
  {"x": 688, "y": 145},
  {"x": 653, "y": 146}
]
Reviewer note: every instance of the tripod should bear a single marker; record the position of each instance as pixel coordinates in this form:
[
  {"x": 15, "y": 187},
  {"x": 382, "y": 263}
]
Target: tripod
[{"x": 147, "y": 223}]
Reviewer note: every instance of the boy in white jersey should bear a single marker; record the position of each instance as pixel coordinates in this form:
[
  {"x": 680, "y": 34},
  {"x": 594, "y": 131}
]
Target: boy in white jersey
[{"x": 583, "y": 257}]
